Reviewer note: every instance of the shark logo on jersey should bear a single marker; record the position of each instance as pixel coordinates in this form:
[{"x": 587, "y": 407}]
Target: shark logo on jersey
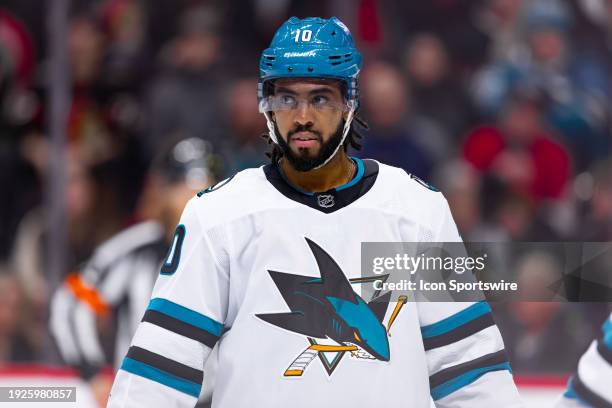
[{"x": 328, "y": 309}]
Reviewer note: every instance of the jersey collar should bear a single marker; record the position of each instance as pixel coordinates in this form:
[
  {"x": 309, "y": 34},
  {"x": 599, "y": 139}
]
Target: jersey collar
[{"x": 330, "y": 200}]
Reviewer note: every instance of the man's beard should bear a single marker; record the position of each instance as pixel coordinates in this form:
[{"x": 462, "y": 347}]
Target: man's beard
[{"x": 302, "y": 161}]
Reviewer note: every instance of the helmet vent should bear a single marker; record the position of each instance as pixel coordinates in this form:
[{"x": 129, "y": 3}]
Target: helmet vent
[
  {"x": 334, "y": 57},
  {"x": 348, "y": 55},
  {"x": 333, "y": 33},
  {"x": 334, "y": 63},
  {"x": 268, "y": 64},
  {"x": 270, "y": 57}
]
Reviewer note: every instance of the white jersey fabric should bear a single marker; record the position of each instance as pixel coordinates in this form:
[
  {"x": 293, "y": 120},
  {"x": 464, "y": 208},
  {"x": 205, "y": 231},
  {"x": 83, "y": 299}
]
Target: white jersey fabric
[
  {"x": 268, "y": 272},
  {"x": 590, "y": 384}
]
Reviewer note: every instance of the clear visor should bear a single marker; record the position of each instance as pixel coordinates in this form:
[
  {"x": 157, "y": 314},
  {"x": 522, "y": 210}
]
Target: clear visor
[{"x": 286, "y": 103}]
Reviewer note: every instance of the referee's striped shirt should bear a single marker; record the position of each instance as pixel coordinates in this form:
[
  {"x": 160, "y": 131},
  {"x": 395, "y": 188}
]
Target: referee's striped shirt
[{"x": 118, "y": 278}]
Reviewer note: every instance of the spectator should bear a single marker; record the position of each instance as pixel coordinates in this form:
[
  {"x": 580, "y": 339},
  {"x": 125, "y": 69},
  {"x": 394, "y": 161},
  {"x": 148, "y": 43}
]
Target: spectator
[
  {"x": 18, "y": 106},
  {"x": 15, "y": 344},
  {"x": 105, "y": 115},
  {"x": 503, "y": 22},
  {"x": 85, "y": 206},
  {"x": 244, "y": 126},
  {"x": 124, "y": 23},
  {"x": 87, "y": 128},
  {"x": 397, "y": 136},
  {"x": 451, "y": 20},
  {"x": 598, "y": 225},
  {"x": 460, "y": 183},
  {"x": 434, "y": 85},
  {"x": 521, "y": 152},
  {"x": 534, "y": 327},
  {"x": 572, "y": 79},
  {"x": 185, "y": 99}
]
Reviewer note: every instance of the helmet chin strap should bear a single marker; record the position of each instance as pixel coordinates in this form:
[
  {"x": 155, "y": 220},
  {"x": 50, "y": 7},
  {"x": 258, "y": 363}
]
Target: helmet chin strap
[
  {"x": 345, "y": 130},
  {"x": 270, "y": 125}
]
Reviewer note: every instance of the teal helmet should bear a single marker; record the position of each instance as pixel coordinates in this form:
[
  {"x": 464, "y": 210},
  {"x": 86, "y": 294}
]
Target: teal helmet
[{"x": 312, "y": 47}]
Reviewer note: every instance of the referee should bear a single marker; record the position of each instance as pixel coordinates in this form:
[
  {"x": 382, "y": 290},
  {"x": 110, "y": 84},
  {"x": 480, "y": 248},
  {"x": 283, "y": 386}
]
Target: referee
[{"x": 116, "y": 282}]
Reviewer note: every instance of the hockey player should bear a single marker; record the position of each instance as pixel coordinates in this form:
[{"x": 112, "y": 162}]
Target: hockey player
[
  {"x": 119, "y": 277},
  {"x": 266, "y": 264},
  {"x": 590, "y": 385}
]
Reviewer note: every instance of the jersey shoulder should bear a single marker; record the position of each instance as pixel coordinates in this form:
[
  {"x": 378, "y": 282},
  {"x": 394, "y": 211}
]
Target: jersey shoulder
[
  {"x": 127, "y": 241},
  {"x": 411, "y": 198},
  {"x": 236, "y": 196},
  {"x": 408, "y": 185}
]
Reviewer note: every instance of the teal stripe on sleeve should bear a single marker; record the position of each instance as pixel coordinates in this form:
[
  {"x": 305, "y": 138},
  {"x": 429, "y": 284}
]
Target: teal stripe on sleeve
[
  {"x": 570, "y": 393},
  {"x": 458, "y": 319},
  {"x": 162, "y": 377},
  {"x": 186, "y": 315},
  {"x": 465, "y": 379},
  {"x": 607, "y": 333}
]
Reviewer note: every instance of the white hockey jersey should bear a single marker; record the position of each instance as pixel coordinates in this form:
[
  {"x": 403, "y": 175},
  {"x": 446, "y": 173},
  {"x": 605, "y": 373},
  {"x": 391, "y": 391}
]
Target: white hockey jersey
[
  {"x": 271, "y": 274},
  {"x": 590, "y": 384}
]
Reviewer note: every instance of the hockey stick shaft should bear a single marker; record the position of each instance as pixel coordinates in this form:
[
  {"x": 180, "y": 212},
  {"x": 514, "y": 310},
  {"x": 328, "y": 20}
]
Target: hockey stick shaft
[{"x": 401, "y": 301}]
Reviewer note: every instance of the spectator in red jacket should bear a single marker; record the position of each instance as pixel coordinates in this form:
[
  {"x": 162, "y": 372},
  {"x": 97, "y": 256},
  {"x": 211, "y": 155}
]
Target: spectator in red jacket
[{"x": 520, "y": 152}]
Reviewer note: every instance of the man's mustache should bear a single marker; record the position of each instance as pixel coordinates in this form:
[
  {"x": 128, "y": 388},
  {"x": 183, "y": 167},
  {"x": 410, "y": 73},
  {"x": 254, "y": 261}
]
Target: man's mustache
[{"x": 302, "y": 128}]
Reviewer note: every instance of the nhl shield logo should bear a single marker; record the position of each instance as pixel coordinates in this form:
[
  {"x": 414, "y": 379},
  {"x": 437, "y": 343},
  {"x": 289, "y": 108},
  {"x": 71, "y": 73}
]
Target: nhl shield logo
[{"x": 325, "y": 200}]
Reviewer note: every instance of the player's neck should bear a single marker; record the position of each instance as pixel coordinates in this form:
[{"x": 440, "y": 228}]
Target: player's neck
[{"x": 340, "y": 170}]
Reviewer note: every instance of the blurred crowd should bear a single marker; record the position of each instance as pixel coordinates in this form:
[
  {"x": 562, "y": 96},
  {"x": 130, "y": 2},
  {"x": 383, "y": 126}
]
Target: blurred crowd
[{"x": 505, "y": 105}]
